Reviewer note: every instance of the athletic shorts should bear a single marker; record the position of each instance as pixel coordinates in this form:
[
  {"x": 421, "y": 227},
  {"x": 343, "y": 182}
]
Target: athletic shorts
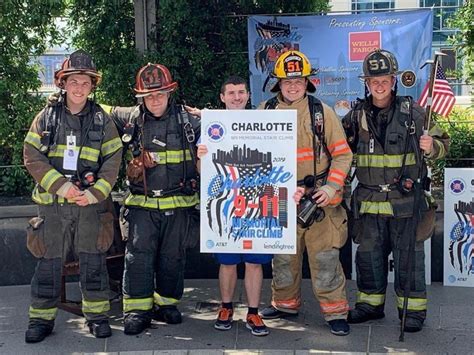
[{"x": 234, "y": 259}]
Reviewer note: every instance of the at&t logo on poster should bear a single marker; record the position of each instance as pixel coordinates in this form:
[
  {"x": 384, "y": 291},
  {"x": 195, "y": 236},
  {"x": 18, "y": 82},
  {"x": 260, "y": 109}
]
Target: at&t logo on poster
[
  {"x": 216, "y": 131},
  {"x": 457, "y": 186}
]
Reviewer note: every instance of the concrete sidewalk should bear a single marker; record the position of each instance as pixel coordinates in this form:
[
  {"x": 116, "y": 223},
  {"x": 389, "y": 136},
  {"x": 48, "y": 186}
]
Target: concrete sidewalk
[{"x": 449, "y": 328}]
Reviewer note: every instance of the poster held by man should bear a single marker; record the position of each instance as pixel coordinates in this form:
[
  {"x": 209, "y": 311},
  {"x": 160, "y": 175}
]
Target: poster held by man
[{"x": 248, "y": 179}]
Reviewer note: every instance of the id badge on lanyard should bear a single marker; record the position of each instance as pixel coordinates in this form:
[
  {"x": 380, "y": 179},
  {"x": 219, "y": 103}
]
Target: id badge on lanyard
[{"x": 71, "y": 153}]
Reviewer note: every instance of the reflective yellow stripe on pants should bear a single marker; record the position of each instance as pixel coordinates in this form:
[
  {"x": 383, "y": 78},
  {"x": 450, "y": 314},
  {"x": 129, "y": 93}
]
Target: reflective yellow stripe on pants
[
  {"x": 137, "y": 304},
  {"x": 95, "y": 306},
  {"x": 372, "y": 299},
  {"x": 414, "y": 304},
  {"x": 48, "y": 313},
  {"x": 164, "y": 301}
]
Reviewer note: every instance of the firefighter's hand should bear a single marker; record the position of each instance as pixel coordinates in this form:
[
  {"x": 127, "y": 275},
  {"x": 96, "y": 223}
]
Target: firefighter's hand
[
  {"x": 426, "y": 144},
  {"x": 72, "y": 192},
  {"x": 81, "y": 200},
  {"x": 193, "y": 110},
  {"x": 299, "y": 193},
  {"x": 322, "y": 198},
  {"x": 202, "y": 150},
  {"x": 85, "y": 199}
]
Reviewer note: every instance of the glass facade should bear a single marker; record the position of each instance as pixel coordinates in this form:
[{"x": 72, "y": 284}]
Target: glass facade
[
  {"x": 359, "y": 6},
  {"x": 49, "y": 63},
  {"x": 442, "y": 11}
]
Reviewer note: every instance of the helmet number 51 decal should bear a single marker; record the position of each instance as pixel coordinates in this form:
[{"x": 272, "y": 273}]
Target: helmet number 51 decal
[
  {"x": 377, "y": 64},
  {"x": 293, "y": 66}
]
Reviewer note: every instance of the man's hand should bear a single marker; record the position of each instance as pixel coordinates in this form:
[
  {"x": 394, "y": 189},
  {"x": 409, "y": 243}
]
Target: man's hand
[
  {"x": 426, "y": 144},
  {"x": 72, "y": 192},
  {"x": 193, "y": 110},
  {"x": 86, "y": 198},
  {"x": 81, "y": 200},
  {"x": 299, "y": 193},
  {"x": 202, "y": 150},
  {"x": 321, "y": 198}
]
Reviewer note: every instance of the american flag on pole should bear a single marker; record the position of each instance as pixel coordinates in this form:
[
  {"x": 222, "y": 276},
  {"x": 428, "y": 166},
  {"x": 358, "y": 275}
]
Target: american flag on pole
[{"x": 443, "y": 96}]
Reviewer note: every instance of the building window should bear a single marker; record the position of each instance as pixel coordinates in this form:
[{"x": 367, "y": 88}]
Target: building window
[
  {"x": 359, "y": 6},
  {"x": 48, "y": 63},
  {"x": 442, "y": 11}
]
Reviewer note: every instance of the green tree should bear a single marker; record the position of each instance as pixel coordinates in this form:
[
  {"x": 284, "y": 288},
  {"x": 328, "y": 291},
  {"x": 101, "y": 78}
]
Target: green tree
[
  {"x": 106, "y": 29},
  {"x": 201, "y": 42},
  {"x": 463, "y": 39},
  {"x": 27, "y": 28},
  {"x": 460, "y": 129}
]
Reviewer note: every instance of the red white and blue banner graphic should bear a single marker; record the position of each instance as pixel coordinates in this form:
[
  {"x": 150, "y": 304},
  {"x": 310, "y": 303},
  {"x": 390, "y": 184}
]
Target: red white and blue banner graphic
[
  {"x": 459, "y": 227},
  {"x": 337, "y": 46},
  {"x": 248, "y": 179}
]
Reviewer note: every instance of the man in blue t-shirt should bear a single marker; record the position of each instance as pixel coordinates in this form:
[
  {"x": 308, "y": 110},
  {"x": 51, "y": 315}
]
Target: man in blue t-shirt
[{"x": 235, "y": 95}]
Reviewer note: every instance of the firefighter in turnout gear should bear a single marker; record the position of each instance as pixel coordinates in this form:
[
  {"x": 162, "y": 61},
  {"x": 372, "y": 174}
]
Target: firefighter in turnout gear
[
  {"x": 323, "y": 161},
  {"x": 161, "y": 208},
  {"x": 385, "y": 132},
  {"x": 73, "y": 152}
]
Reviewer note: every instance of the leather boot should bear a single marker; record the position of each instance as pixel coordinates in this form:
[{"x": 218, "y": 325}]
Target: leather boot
[
  {"x": 135, "y": 324},
  {"x": 38, "y": 330},
  {"x": 413, "y": 325},
  {"x": 168, "y": 314},
  {"x": 271, "y": 312},
  {"x": 100, "y": 329},
  {"x": 360, "y": 315}
]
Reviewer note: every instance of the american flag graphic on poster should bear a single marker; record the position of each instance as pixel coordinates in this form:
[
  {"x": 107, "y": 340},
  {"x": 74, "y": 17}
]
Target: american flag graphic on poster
[
  {"x": 458, "y": 227},
  {"x": 246, "y": 180},
  {"x": 443, "y": 98}
]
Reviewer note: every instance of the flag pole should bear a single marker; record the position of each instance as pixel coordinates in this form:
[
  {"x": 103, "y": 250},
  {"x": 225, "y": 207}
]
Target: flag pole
[
  {"x": 429, "y": 100},
  {"x": 417, "y": 186}
]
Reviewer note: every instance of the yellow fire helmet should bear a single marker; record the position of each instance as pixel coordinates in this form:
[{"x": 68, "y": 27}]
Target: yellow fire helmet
[{"x": 293, "y": 64}]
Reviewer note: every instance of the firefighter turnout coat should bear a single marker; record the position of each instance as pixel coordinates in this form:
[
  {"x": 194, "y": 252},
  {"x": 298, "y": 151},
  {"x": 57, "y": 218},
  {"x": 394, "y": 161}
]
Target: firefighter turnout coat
[
  {"x": 64, "y": 230},
  {"x": 323, "y": 239},
  {"x": 388, "y": 160},
  {"x": 161, "y": 205}
]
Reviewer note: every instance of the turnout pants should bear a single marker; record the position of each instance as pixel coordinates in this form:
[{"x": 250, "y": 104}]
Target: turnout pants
[
  {"x": 63, "y": 232},
  {"x": 377, "y": 238},
  {"x": 322, "y": 241},
  {"x": 154, "y": 259}
]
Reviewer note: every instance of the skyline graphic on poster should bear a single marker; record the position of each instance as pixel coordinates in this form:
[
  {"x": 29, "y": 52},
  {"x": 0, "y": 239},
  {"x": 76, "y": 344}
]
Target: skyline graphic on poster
[{"x": 244, "y": 198}]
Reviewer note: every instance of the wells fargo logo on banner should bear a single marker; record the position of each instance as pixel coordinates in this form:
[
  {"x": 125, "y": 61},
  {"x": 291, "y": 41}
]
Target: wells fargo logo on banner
[{"x": 362, "y": 43}]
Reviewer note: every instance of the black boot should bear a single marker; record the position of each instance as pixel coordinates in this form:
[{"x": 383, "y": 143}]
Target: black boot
[
  {"x": 168, "y": 314},
  {"x": 38, "y": 330},
  {"x": 414, "y": 320},
  {"x": 271, "y": 312},
  {"x": 361, "y": 314},
  {"x": 413, "y": 325},
  {"x": 100, "y": 329},
  {"x": 135, "y": 324}
]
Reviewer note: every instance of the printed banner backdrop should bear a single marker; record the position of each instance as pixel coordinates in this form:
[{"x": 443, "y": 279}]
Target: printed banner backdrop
[
  {"x": 248, "y": 182},
  {"x": 458, "y": 227},
  {"x": 337, "y": 45}
]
